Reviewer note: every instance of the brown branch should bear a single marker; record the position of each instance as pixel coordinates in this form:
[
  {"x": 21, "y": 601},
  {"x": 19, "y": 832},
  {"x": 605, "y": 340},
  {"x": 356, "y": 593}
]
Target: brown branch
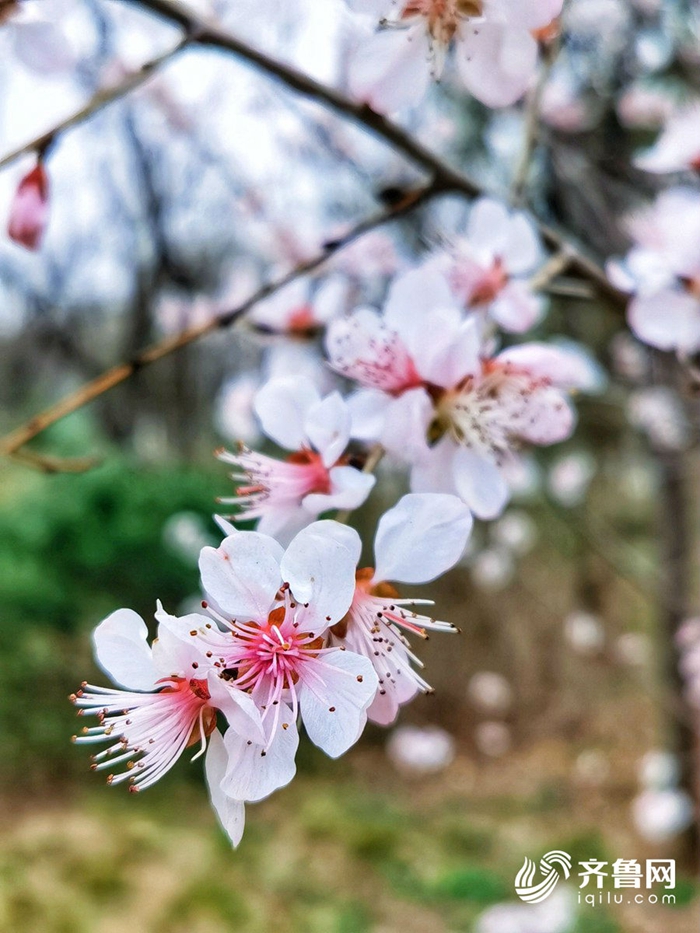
[
  {"x": 12, "y": 443},
  {"x": 101, "y": 99},
  {"x": 450, "y": 179}
]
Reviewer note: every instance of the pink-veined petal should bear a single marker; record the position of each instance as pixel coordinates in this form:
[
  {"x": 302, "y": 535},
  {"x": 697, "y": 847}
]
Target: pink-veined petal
[
  {"x": 335, "y": 691},
  {"x": 122, "y": 651},
  {"x": 548, "y": 417},
  {"x": 568, "y": 367},
  {"x": 421, "y": 537}
]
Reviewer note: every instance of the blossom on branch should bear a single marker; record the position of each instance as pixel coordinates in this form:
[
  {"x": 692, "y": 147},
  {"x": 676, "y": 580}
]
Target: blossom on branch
[
  {"x": 493, "y": 43},
  {"x": 422, "y": 537},
  {"x": 167, "y": 701},
  {"x": 29, "y": 211},
  {"x": 662, "y": 272},
  {"x": 285, "y": 495},
  {"x": 435, "y": 397}
]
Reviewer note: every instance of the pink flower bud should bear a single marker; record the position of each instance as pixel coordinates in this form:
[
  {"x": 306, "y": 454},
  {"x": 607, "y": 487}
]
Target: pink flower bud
[{"x": 30, "y": 209}]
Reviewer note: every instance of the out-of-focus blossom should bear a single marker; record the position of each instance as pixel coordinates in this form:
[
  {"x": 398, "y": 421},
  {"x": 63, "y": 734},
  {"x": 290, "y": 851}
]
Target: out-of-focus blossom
[
  {"x": 493, "y": 568},
  {"x": 488, "y": 268},
  {"x": 490, "y": 691},
  {"x": 493, "y": 739},
  {"x": 37, "y": 41},
  {"x": 287, "y": 494},
  {"x": 274, "y": 608},
  {"x": 29, "y": 211},
  {"x": 633, "y": 648},
  {"x": 300, "y": 310},
  {"x": 678, "y": 147},
  {"x": 662, "y": 271},
  {"x": 167, "y": 701},
  {"x": 570, "y": 476},
  {"x": 630, "y": 360},
  {"x": 643, "y": 106},
  {"x": 422, "y": 537},
  {"x": 234, "y": 414},
  {"x": 515, "y": 531},
  {"x": 658, "y": 412},
  {"x": 592, "y": 767},
  {"x": 584, "y": 632},
  {"x": 659, "y": 769},
  {"x": 688, "y": 641},
  {"x": 434, "y": 397},
  {"x": 661, "y": 815},
  {"x": 186, "y": 534},
  {"x": 494, "y": 49},
  {"x": 556, "y": 914},
  {"x": 564, "y": 106},
  {"x": 416, "y": 750}
]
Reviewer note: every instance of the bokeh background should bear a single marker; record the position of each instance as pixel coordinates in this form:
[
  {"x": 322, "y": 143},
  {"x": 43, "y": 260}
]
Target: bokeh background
[{"x": 557, "y": 705}]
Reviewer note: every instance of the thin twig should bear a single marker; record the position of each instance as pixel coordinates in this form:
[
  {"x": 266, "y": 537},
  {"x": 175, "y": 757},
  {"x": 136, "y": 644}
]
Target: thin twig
[
  {"x": 450, "y": 179},
  {"x": 101, "y": 99},
  {"x": 15, "y": 441}
]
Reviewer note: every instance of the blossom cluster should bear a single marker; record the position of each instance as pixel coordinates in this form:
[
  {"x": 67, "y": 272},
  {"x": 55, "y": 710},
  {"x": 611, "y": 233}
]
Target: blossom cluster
[{"x": 294, "y": 629}]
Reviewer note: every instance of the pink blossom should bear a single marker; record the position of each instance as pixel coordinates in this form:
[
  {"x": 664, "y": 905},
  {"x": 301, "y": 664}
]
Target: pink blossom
[
  {"x": 495, "y": 51},
  {"x": 678, "y": 147},
  {"x": 167, "y": 701},
  {"x": 435, "y": 398},
  {"x": 300, "y": 310},
  {"x": 275, "y": 608},
  {"x": 287, "y": 494},
  {"x": 29, "y": 211},
  {"x": 488, "y": 268},
  {"x": 420, "y": 538},
  {"x": 662, "y": 271}
]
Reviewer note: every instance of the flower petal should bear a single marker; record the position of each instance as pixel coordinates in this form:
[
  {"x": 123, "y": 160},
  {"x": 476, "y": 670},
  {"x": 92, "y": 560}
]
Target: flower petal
[
  {"x": 349, "y": 489},
  {"x": 321, "y": 572},
  {"x": 496, "y": 62},
  {"x": 255, "y": 771},
  {"x": 282, "y": 405},
  {"x": 239, "y": 708},
  {"x": 668, "y": 320},
  {"x": 517, "y": 308},
  {"x": 421, "y": 537},
  {"x": 335, "y": 690},
  {"x": 480, "y": 484},
  {"x": 391, "y": 70},
  {"x": 327, "y": 426},
  {"x": 242, "y": 576},
  {"x": 229, "y": 812},
  {"x": 122, "y": 651}
]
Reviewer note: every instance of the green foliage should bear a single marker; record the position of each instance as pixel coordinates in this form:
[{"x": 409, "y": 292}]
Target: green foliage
[{"x": 75, "y": 547}]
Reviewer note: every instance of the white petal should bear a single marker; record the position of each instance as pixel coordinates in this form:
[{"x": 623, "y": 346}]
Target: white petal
[
  {"x": 282, "y": 523},
  {"x": 457, "y": 358},
  {"x": 255, "y": 771},
  {"x": 321, "y": 572},
  {"x": 433, "y": 473},
  {"x": 667, "y": 320},
  {"x": 496, "y": 63},
  {"x": 548, "y": 417},
  {"x": 367, "y": 409},
  {"x": 523, "y": 250},
  {"x": 334, "y": 693},
  {"x": 349, "y": 489},
  {"x": 479, "y": 483},
  {"x": 342, "y": 534},
  {"x": 176, "y": 651},
  {"x": 487, "y": 227},
  {"x": 406, "y": 425},
  {"x": 391, "y": 69},
  {"x": 412, "y": 297},
  {"x": 421, "y": 537},
  {"x": 282, "y": 405},
  {"x": 517, "y": 308},
  {"x": 327, "y": 426},
  {"x": 122, "y": 651},
  {"x": 239, "y": 708},
  {"x": 566, "y": 364},
  {"x": 242, "y": 576},
  {"x": 229, "y": 812}
]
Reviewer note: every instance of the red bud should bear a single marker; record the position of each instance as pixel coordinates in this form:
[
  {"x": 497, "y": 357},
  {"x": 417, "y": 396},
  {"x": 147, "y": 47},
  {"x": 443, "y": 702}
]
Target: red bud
[{"x": 30, "y": 209}]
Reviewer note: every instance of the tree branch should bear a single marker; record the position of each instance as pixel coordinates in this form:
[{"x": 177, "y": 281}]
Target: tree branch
[
  {"x": 15, "y": 441},
  {"x": 104, "y": 97},
  {"x": 450, "y": 179}
]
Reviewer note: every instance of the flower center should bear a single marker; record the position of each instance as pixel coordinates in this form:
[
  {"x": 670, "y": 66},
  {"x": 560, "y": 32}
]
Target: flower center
[
  {"x": 692, "y": 286},
  {"x": 316, "y": 475},
  {"x": 484, "y": 413},
  {"x": 490, "y": 285},
  {"x": 443, "y": 16}
]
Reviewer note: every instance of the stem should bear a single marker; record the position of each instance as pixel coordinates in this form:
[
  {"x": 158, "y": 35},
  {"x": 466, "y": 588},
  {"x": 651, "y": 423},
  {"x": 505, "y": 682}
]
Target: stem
[{"x": 11, "y": 443}]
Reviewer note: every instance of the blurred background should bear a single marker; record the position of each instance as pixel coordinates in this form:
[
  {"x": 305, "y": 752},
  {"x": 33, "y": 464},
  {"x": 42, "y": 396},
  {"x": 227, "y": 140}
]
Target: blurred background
[{"x": 555, "y": 719}]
